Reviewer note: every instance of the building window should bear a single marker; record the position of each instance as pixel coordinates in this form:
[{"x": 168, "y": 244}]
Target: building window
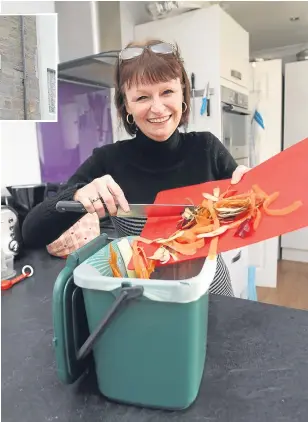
[{"x": 51, "y": 82}]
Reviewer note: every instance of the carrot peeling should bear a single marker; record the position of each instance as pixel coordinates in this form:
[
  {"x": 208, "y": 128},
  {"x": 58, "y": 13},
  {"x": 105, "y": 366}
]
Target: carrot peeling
[
  {"x": 213, "y": 248},
  {"x": 257, "y": 219},
  {"x": 282, "y": 211},
  {"x": 143, "y": 268},
  {"x": 113, "y": 262}
]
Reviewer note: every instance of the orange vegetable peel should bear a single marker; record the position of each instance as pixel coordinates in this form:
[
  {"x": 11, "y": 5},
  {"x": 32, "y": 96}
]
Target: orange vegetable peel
[{"x": 216, "y": 214}]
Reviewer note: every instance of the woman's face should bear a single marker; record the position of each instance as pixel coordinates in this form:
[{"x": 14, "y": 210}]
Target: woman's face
[{"x": 156, "y": 108}]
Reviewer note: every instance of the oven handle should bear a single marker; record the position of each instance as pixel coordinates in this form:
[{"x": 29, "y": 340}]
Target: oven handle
[{"x": 230, "y": 108}]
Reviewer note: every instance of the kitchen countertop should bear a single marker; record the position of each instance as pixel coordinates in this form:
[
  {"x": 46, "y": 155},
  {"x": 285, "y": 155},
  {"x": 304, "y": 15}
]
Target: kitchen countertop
[{"x": 256, "y": 368}]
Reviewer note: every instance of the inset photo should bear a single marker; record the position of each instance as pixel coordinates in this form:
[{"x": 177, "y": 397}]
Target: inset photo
[{"x": 28, "y": 67}]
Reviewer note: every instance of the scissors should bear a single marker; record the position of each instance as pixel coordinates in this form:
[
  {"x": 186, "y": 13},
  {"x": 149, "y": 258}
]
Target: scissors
[{"x": 26, "y": 272}]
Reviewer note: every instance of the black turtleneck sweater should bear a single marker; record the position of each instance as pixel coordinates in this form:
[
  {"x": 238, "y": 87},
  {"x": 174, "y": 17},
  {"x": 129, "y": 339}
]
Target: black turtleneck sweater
[{"x": 142, "y": 167}]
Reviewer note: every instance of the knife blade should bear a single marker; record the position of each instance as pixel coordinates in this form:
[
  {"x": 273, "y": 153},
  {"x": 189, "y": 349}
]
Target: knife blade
[{"x": 136, "y": 210}]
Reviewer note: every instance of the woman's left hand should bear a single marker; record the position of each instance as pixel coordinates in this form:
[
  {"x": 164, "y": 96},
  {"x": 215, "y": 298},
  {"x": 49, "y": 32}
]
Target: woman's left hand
[{"x": 238, "y": 174}]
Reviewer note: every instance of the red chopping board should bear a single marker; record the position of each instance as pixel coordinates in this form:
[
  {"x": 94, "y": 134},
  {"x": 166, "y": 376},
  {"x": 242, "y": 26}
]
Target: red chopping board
[{"x": 286, "y": 172}]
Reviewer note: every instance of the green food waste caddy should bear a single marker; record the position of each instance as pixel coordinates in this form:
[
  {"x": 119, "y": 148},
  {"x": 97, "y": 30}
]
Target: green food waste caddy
[{"x": 147, "y": 337}]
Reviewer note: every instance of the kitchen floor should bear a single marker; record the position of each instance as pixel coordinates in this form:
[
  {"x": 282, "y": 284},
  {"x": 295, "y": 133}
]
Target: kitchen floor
[{"x": 292, "y": 286}]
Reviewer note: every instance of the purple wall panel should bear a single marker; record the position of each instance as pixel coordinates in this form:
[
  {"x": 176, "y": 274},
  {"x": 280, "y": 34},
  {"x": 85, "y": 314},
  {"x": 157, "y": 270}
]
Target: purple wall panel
[{"x": 84, "y": 123}]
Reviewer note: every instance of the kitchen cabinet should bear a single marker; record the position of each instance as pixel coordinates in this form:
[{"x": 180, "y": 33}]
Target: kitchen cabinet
[
  {"x": 295, "y": 245},
  {"x": 234, "y": 51},
  {"x": 265, "y": 92}
]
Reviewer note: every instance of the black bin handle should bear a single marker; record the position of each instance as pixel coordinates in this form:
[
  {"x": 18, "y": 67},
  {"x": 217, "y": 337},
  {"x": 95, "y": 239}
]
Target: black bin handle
[{"x": 127, "y": 294}]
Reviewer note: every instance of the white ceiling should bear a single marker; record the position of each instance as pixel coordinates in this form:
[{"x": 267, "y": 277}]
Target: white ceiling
[{"x": 268, "y": 22}]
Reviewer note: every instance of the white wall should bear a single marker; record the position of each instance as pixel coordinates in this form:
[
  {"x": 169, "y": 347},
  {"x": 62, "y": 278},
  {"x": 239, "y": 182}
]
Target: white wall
[
  {"x": 19, "y": 154},
  {"x": 128, "y": 22},
  {"x": 130, "y": 17},
  {"x": 109, "y": 25},
  {"x": 76, "y": 29},
  {"x": 47, "y": 46}
]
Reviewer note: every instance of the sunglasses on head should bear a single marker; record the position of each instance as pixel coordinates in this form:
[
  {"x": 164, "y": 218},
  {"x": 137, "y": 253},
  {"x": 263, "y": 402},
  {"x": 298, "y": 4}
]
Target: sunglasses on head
[{"x": 133, "y": 52}]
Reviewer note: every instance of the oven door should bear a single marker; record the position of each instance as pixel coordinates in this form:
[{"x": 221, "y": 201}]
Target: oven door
[{"x": 235, "y": 132}]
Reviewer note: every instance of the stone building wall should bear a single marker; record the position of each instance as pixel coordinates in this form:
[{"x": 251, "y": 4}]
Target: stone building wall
[{"x": 12, "y": 84}]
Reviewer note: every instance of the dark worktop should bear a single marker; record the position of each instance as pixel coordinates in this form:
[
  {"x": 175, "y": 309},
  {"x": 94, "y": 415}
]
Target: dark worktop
[{"x": 256, "y": 369}]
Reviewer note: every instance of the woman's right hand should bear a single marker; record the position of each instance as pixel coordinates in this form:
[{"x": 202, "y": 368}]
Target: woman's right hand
[{"x": 102, "y": 190}]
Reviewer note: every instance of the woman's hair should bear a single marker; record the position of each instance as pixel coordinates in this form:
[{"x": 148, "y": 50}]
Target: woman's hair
[{"x": 149, "y": 68}]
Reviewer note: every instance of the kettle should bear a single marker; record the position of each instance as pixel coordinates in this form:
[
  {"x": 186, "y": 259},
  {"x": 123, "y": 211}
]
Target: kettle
[
  {"x": 25, "y": 197},
  {"x": 10, "y": 231}
]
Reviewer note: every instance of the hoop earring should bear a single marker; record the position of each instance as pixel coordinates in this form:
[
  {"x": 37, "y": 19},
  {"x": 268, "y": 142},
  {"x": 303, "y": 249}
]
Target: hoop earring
[
  {"x": 127, "y": 119},
  {"x": 183, "y": 111}
]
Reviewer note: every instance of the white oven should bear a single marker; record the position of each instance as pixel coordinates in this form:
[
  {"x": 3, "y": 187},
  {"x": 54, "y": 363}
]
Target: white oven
[{"x": 235, "y": 120}]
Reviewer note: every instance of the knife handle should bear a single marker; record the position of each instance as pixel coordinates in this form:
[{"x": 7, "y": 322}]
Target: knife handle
[
  {"x": 75, "y": 206},
  {"x": 192, "y": 79},
  {"x": 70, "y": 206},
  {"x": 203, "y": 105}
]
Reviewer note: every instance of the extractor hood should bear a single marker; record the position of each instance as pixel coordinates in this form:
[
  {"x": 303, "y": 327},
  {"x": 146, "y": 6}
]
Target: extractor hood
[{"x": 97, "y": 69}]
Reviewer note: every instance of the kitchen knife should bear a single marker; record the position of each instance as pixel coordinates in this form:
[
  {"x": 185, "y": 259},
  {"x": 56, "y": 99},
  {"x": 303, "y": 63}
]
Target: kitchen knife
[
  {"x": 192, "y": 80},
  {"x": 205, "y": 105},
  {"x": 136, "y": 210}
]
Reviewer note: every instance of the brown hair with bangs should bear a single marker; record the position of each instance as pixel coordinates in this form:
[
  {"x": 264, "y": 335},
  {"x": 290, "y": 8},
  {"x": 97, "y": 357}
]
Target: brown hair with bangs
[{"x": 149, "y": 68}]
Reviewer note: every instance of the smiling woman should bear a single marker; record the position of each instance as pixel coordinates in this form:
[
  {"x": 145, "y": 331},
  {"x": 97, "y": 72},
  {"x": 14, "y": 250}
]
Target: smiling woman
[{"x": 152, "y": 96}]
